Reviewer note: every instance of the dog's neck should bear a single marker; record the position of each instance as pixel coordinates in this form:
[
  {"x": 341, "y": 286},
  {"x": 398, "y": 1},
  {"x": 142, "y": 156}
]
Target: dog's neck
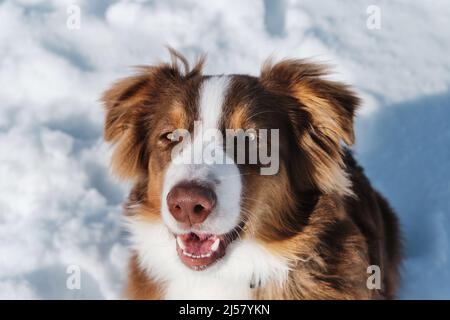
[{"x": 246, "y": 266}]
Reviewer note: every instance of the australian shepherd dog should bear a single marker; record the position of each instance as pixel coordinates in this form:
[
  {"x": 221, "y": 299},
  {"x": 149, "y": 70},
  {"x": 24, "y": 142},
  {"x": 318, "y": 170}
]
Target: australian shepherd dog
[{"x": 244, "y": 187}]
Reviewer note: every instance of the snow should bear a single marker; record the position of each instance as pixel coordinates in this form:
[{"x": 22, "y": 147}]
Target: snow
[{"x": 59, "y": 206}]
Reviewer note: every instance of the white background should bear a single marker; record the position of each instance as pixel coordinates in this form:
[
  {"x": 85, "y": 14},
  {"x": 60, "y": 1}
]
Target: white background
[{"x": 58, "y": 204}]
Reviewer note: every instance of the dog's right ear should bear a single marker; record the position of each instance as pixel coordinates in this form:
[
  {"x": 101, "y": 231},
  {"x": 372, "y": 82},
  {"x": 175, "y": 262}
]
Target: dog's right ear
[
  {"x": 125, "y": 102},
  {"x": 130, "y": 104},
  {"x": 122, "y": 101}
]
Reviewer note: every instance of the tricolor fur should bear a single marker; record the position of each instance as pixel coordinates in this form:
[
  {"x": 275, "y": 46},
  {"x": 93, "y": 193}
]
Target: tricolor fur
[{"x": 308, "y": 232}]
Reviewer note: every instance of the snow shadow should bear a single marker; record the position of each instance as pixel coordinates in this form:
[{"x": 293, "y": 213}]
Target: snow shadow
[{"x": 406, "y": 153}]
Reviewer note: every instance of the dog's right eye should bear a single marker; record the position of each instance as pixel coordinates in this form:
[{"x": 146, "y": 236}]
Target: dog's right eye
[{"x": 169, "y": 138}]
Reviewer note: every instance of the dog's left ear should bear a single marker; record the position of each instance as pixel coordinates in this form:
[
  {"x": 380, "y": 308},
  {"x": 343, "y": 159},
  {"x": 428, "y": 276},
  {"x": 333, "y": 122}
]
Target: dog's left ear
[{"x": 322, "y": 118}]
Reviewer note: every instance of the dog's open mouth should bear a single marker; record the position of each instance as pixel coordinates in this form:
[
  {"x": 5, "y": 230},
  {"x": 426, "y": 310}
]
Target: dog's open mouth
[{"x": 198, "y": 251}]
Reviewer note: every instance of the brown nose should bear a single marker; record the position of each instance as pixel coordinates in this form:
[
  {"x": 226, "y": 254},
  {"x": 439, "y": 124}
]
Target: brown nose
[{"x": 191, "y": 203}]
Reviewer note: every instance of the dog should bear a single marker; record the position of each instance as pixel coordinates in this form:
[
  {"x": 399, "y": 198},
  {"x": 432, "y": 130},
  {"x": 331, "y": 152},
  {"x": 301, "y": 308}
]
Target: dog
[{"x": 313, "y": 228}]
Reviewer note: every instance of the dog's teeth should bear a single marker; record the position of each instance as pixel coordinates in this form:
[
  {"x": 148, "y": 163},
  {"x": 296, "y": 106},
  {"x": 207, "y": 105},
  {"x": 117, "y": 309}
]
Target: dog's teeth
[
  {"x": 215, "y": 245},
  {"x": 180, "y": 243}
]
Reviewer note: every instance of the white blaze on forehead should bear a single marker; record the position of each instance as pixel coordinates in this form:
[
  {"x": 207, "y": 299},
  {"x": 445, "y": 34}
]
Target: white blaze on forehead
[
  {"x": 223, "y": 176},
  {"x": 212, "y": 95}
]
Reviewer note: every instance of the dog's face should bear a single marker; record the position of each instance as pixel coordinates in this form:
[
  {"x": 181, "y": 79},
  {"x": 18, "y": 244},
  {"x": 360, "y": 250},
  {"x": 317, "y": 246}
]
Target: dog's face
[{"x": 172, "y": 135}]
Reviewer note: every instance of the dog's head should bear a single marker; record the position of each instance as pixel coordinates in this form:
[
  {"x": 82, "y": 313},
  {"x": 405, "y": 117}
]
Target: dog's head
[{"x": 220, "y": 157}]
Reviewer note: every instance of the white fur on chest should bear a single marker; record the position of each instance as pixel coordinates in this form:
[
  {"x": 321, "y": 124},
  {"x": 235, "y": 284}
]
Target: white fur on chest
[
  {"x": 246, "y": 261},
  {"x": 196, "y": 288}
]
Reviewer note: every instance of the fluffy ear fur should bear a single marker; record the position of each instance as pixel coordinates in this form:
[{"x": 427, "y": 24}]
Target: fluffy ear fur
[
  {"x": 129, "y": 103},
  {"x": 322, "y": 118},
  {"x": 124, "y": 102}
]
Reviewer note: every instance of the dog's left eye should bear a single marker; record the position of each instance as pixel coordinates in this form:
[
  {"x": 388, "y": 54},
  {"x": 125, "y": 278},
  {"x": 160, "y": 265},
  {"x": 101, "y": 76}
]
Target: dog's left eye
[{"x": 251, "y": 136}]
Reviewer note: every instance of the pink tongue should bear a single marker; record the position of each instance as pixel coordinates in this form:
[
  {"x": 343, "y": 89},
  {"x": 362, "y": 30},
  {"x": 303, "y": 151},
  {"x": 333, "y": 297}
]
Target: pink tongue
[{"x": 197, "y": 244}]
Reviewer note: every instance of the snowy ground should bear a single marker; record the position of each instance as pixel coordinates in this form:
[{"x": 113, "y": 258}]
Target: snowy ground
[{"x": 58, "y": 204}]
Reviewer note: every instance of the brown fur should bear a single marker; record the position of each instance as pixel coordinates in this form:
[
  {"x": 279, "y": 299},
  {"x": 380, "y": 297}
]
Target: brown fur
[
  {"x": 319, "y": 211},
  {"x": 139, "y": 286}
]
